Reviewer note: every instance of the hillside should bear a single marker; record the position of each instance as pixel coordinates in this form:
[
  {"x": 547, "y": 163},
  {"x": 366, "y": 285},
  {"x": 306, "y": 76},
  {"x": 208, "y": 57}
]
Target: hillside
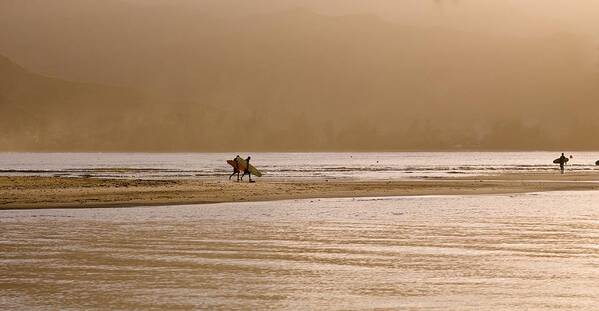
[
  {"x": 41, "y": 113},
  {"x": 292, "y": 80}
]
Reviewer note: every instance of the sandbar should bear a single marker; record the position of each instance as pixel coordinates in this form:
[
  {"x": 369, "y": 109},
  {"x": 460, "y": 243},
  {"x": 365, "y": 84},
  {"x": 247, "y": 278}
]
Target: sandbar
[{"x": 60, "y": 192}]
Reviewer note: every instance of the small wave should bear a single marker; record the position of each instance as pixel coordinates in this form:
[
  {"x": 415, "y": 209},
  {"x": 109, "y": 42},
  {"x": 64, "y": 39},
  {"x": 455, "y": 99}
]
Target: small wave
[{"x": 289, "y": 171}]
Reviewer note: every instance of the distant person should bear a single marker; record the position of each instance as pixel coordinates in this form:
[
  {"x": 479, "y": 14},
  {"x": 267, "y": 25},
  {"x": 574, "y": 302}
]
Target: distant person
[
  {"x": 247, "y": 169},
  {"x": 236, "y": 168},
  {"x": 562, "y": 163}
]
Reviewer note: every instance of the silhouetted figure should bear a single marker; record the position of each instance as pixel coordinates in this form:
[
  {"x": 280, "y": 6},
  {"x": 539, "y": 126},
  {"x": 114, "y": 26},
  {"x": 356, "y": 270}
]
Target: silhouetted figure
[
  {"x": 236, "y": 168},
  {"x": 247, "y": 169},
  {"x": 562, "y": 163}
]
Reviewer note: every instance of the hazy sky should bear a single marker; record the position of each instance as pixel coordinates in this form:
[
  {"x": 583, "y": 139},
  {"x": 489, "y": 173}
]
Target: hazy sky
[
  {"x": 334, "y": 74},
  {"x": 507, "y": 16}
]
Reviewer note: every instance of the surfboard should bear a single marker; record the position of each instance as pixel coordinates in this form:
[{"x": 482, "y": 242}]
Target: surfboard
[
  {"x": 242, "y": 165},
  {"x": 559, "y": 160},
  {"x": 251, "y": 168},
  {"x": 233, "y": 164}
]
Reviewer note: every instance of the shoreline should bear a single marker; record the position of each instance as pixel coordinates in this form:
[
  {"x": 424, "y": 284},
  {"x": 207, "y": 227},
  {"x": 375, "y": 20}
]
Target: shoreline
[{"x": 76, "y": 193}]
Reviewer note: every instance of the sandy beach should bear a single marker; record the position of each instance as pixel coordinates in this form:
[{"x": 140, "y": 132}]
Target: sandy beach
[{"x": 57, "y": 192}]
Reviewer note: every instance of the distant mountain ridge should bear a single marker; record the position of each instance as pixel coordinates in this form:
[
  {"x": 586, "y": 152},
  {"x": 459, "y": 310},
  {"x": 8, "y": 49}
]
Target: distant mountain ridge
[
  {"x": 292, "y": 80},
  {"x": 41, "y": 113}
]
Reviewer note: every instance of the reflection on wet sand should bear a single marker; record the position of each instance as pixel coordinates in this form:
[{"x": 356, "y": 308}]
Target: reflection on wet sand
[{"x": 532, "y": 251}]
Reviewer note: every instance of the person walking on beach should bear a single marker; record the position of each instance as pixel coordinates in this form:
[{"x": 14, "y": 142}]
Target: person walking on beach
[
  {"x": 562, "y": 163},
  {"x": 236, "y": 168},
  {"x": 247, "y": 169}
]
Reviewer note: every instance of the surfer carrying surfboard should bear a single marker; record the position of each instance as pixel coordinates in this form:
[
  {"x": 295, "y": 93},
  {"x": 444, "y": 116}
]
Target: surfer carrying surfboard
[
  {"x": 240, "y": 165},
  {"x": 247, "y": 169},
  {"x": 562, "y": 163},
  {"x": 235, "y": 165}
]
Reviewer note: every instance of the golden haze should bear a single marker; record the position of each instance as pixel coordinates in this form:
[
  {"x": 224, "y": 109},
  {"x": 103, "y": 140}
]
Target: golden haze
[{"x": 298, "y": 75}]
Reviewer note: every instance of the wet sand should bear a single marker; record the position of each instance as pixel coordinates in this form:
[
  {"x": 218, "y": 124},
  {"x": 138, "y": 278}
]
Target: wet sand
[{"x": 58, "y": 192}]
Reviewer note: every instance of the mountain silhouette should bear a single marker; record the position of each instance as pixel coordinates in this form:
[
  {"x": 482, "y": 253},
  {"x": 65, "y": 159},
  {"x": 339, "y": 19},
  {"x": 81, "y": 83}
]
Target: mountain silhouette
[{"x": 290, "y": 80}]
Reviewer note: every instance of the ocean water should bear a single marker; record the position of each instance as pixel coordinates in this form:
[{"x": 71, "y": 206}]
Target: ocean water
[
  {"x": 288, "y": 165},
  {"x": 537, "y": 251}
]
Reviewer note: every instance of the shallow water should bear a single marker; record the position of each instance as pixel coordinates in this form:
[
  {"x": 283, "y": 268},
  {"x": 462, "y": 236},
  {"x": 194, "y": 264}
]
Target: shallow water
[
  {"x": 288, "y": 165},
  {"x": 526, "y": 251}
]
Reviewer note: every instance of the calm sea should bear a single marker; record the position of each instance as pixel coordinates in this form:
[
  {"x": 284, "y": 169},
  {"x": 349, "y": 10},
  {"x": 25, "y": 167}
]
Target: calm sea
[
  {"x": 497, "y": 252},
  {"x": 288, "y": 165}
]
